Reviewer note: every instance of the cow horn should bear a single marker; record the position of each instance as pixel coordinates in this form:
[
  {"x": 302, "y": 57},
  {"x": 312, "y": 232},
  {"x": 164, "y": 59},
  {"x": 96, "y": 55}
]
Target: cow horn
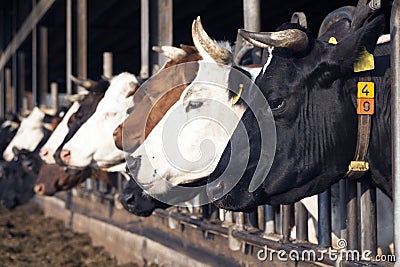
[
  {"x": 294, "y": 39},
  {"x": 81, "y": 82},
  {"x": 170, "y": 52},
  {"x": 47, "y": 111},
  {"x": 203, "y": 42}
]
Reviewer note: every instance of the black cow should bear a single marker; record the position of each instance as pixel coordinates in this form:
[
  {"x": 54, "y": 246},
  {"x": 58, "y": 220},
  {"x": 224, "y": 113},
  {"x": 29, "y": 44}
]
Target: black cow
[
  {"x": 17, "y": 179},
  {"x": 8, "y": 129},
  {"x": 87, "y": 107},
  {"x": 311, "y": 89}
]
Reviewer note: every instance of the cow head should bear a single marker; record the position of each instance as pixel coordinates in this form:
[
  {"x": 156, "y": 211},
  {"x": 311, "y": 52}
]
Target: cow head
[
  {"x": 197, "y": 116},
  {"x": 29, "y": 134},
  {"x": 309, "y": 85},
  {"x": 93, "y": 142},
  {"x": 162, "y": 91},
  {"x": 56, "y": 138},
  {"x": 88, "y": 104}
]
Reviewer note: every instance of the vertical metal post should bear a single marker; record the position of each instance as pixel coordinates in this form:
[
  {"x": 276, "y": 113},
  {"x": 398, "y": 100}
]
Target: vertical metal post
[
  {"x": 352, "y": 215},
  {"x": 34, "y": 62},
  {"x": 2, "y": 84},
  {"x": 2, "y": 94},
  {"x": 43, "y": 80},
  {"x": 54, "y": 95},
  {"x": 343, "y": 208},
  {"x": 82, "y": 39},
  {"x": 21, "y": 79},
  {"x": 165, "y": 19},
  {"x": 9, "y": 91},
  {"x": 368, "y": 216},
  {"x": 108, "y": 64},
  {"x": 68, "y": 47},
  {"x": 324, "y": 219},
  {"x": 269, "y": 220},
  {"x": 252, "y": 219},
  {"x": 144, "y": 38},
  {"x": 395, "y": 68},
  {"x": 251, "y": 15},
  {"x": 301, "y": 222},
  {"x": 14, "y": 59},
  {"x": 285, "y": 211}
]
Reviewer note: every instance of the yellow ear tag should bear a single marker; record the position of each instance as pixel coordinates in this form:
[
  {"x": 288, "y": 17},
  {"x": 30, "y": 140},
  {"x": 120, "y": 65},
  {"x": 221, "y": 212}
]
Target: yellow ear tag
[
  {"x": 332, "y": 40},
  {"x": 237, "y": 97},
  {"x": 365, "y": 61}
]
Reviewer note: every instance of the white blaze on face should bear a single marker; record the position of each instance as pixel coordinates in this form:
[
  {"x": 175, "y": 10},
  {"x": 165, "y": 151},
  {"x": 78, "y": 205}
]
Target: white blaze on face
[
  {"x": 29, "y": 134},
  {"x": 93, "y": 143},
  {"x": 187, "y": 144},
  {"x": 270, "y": 49},
  {"x": 57, "y": 137}
]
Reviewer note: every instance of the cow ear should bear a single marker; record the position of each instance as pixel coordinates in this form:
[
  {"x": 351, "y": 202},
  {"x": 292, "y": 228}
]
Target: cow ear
[
  {"x": 133, "y": 87},
  {"x": 350, "y": 48}
]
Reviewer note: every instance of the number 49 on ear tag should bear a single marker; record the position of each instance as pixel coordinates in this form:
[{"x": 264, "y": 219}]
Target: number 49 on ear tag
[
  {"x": 365, "y": 106},
  {"x": 365, "y": 90}
]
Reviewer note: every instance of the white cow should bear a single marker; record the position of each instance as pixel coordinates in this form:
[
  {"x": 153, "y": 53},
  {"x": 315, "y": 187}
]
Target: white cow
[
  {"x": 93, "y": 143},
  {"x": 56, "y": 138},
  {"x": 187, "y": 143},
  {"x": 29, "y": 134}
]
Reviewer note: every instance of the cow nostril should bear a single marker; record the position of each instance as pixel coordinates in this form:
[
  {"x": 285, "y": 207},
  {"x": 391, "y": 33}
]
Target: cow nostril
[
  {"x": 65, "y": 155},
  {"x": 39, "y": 189},
  {"x": 44, "y": 153}
]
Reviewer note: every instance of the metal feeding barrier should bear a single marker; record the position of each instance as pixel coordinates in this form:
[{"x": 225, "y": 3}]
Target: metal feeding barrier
[{"x": 272, "y": 226}]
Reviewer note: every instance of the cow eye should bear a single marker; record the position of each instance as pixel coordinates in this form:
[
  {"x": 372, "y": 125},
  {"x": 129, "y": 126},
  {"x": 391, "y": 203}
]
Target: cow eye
[
  {"x": 193, "y": 105},
  {"x": 277, "y": 104}
]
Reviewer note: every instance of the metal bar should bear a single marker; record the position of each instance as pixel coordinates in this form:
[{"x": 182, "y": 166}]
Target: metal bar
[
  {"x": 108, "y": 64},
  {"x": 285, "y": 213},
  {"x": 343, "y": 208},
  {"x": 9, "y": 92},
  {"x": 43, "y": 66},
  {"x": 395, "y": 68},
  {"x": 324, "y": 219},
  {"x": 14, "y": 59},
  {"x": 2, "y": 94},
  {"x": 368, "y": 216},
  {"x": 144, "y": 38},
  {"x": 352, "y": 211},
  {"x": 301, "y": 222},
  {"x": 251, "y": 15},
  {"x": 29, "y": 25},
  {"x": 21, "y": 79},
  {"x": 165, "y": 27},
  {"x": 2, "y": 43},
  {"x": 54, "y": 95},
  {"x": 82, "y": 40},
  {"x": 34, "y": 62},
  {"x": 251, "y": 219},
  {"x": 68, "y": 47},
  {"x": 269, "y": 220}
]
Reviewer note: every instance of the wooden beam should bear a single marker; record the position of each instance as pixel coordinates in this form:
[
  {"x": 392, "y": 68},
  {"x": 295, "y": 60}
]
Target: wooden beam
[{"x": 30, "y": 23}]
